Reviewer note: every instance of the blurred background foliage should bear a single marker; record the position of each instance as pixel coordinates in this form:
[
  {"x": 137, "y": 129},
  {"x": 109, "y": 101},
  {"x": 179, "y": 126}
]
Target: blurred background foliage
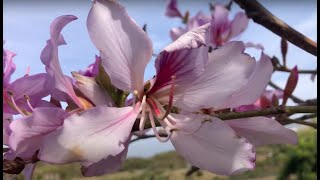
[{"x": 274, "y": 162}]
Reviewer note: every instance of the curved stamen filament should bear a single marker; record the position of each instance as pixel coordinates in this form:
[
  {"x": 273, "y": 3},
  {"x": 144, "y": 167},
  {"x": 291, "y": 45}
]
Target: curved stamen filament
[
  {"x": 14, "y": 103},
  {"x": 168, "y": 123},
  {"x": 143, "y": 114},
  {"x": 158, "y": 109},
  {"x": 154, "y": 105},
  {"x": 28, "y": 102},
  {"x": 156, "y": 132},
  {"x": 170, "y": 99}
]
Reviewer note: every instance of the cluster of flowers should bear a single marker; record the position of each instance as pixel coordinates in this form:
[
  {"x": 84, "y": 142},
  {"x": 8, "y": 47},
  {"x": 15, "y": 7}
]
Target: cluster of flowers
[{"x": 96, "y": 126}]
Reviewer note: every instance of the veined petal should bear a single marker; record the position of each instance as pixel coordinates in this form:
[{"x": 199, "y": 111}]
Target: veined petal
[
  {"x": 89, "y": 87},
  {"x": 198, "y": 20},
  {"x": 227, "y": 70},
  {"x": 175, "y": 33},
  {"x": 219, "y": 16},
  {"x": 7, "y": 118},
  {"x": 9, "y": 66},
  {"x": 109, "y": 165},
  {"x": 238, "y": 24},
  {"x": 28, "y": 132},
  {"x": 90, "y": 136},
  {"x": 124, "y": 47},
  {"x": 263, "y": 131},
  {"x": 188, "y": 123},
  {"x": 49, "y": 57},
  {"x": 35, "y": 87},
  {"x": 185, "y": 59},
  {"x": 215, "y": 147},
  {"x": 255, "y": 86},
  {"x": 220, "y": 25}
]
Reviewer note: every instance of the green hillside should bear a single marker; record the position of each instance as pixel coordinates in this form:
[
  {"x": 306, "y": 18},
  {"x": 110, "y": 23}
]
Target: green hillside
[{"x": 274, "y": 161}]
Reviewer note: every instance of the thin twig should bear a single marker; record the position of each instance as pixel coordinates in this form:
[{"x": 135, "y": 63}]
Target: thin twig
[
  {"x": 290, "y": 121},
  {"x": 294, "y": 98},
  {"x": 283, "y": 69},
  {"x": 310, "y": 102},
  {"x": 238, "y": 115},
  {"x": 147, "y": 136},
  {"x": 305, "y": 117},
  {"x": 261, "y": 15},
  {"x": 267, "y": 111}
]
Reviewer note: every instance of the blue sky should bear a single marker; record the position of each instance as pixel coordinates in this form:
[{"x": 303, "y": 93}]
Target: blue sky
[{"x": 26, "y": 29}]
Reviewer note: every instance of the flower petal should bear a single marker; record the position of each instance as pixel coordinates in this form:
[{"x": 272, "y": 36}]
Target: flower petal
[
  {"x": 227, "y": 70},
  {"x": 198, "y": 20},
  {"x": 7, "y": 118},
  {"x": 28, "y": 171},
  {"x": 90, "y": 136},
  {"x": 28, "y": 132},
  {"x": 124, "y": 47},
  {"x": 9, "y": 66},
  {"x": 263, "y": 131},
  {"x": 172, "y": 9},
  {"x": 109, "y": 165},
  {"x": 89, "y": 87},
  {"x": 92, "y": 70},
  {"x": 219, "y": 16},
  {"x": 220, "y": 25},
  {"x": 215, "y": 147},
  {"x": 254, "y": 88},
  {"x": 35, "y": 87},
  {"x": 238, "y": 24},
  {"x": 49, "y": 57},
  {"x": 185, "y": 59},
  {"x": 175, "y": 33}
]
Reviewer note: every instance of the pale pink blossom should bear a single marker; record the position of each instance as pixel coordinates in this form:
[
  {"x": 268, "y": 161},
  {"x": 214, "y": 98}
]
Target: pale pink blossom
[
  {"x": 187, "y": 77},
  {"x": 222, "y": 29}
]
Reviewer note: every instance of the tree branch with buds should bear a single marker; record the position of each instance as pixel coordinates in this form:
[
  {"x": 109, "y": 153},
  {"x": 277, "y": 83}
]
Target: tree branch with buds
[{"x": 262, "y": 16}]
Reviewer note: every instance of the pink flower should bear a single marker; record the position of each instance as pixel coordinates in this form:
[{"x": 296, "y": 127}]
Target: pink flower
[
  {"x": 198, "y": 20},
  {"x": 266, "y": 100},
  {"x": 222, "y": 29},
  {"x": 92, "y": 70},
  {"x": 172, "y": 9},
  {"x": 188, "y": 78}
]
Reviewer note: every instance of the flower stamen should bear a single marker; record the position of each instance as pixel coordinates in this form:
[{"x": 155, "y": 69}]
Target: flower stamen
[
  {"x": 28, "y": 102},
  {"x": 156, "y": 132},
  {"x": 170, "y": 104},
  {"x": 143, "y": 114},
  {"x": 14, "y": 103}
]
